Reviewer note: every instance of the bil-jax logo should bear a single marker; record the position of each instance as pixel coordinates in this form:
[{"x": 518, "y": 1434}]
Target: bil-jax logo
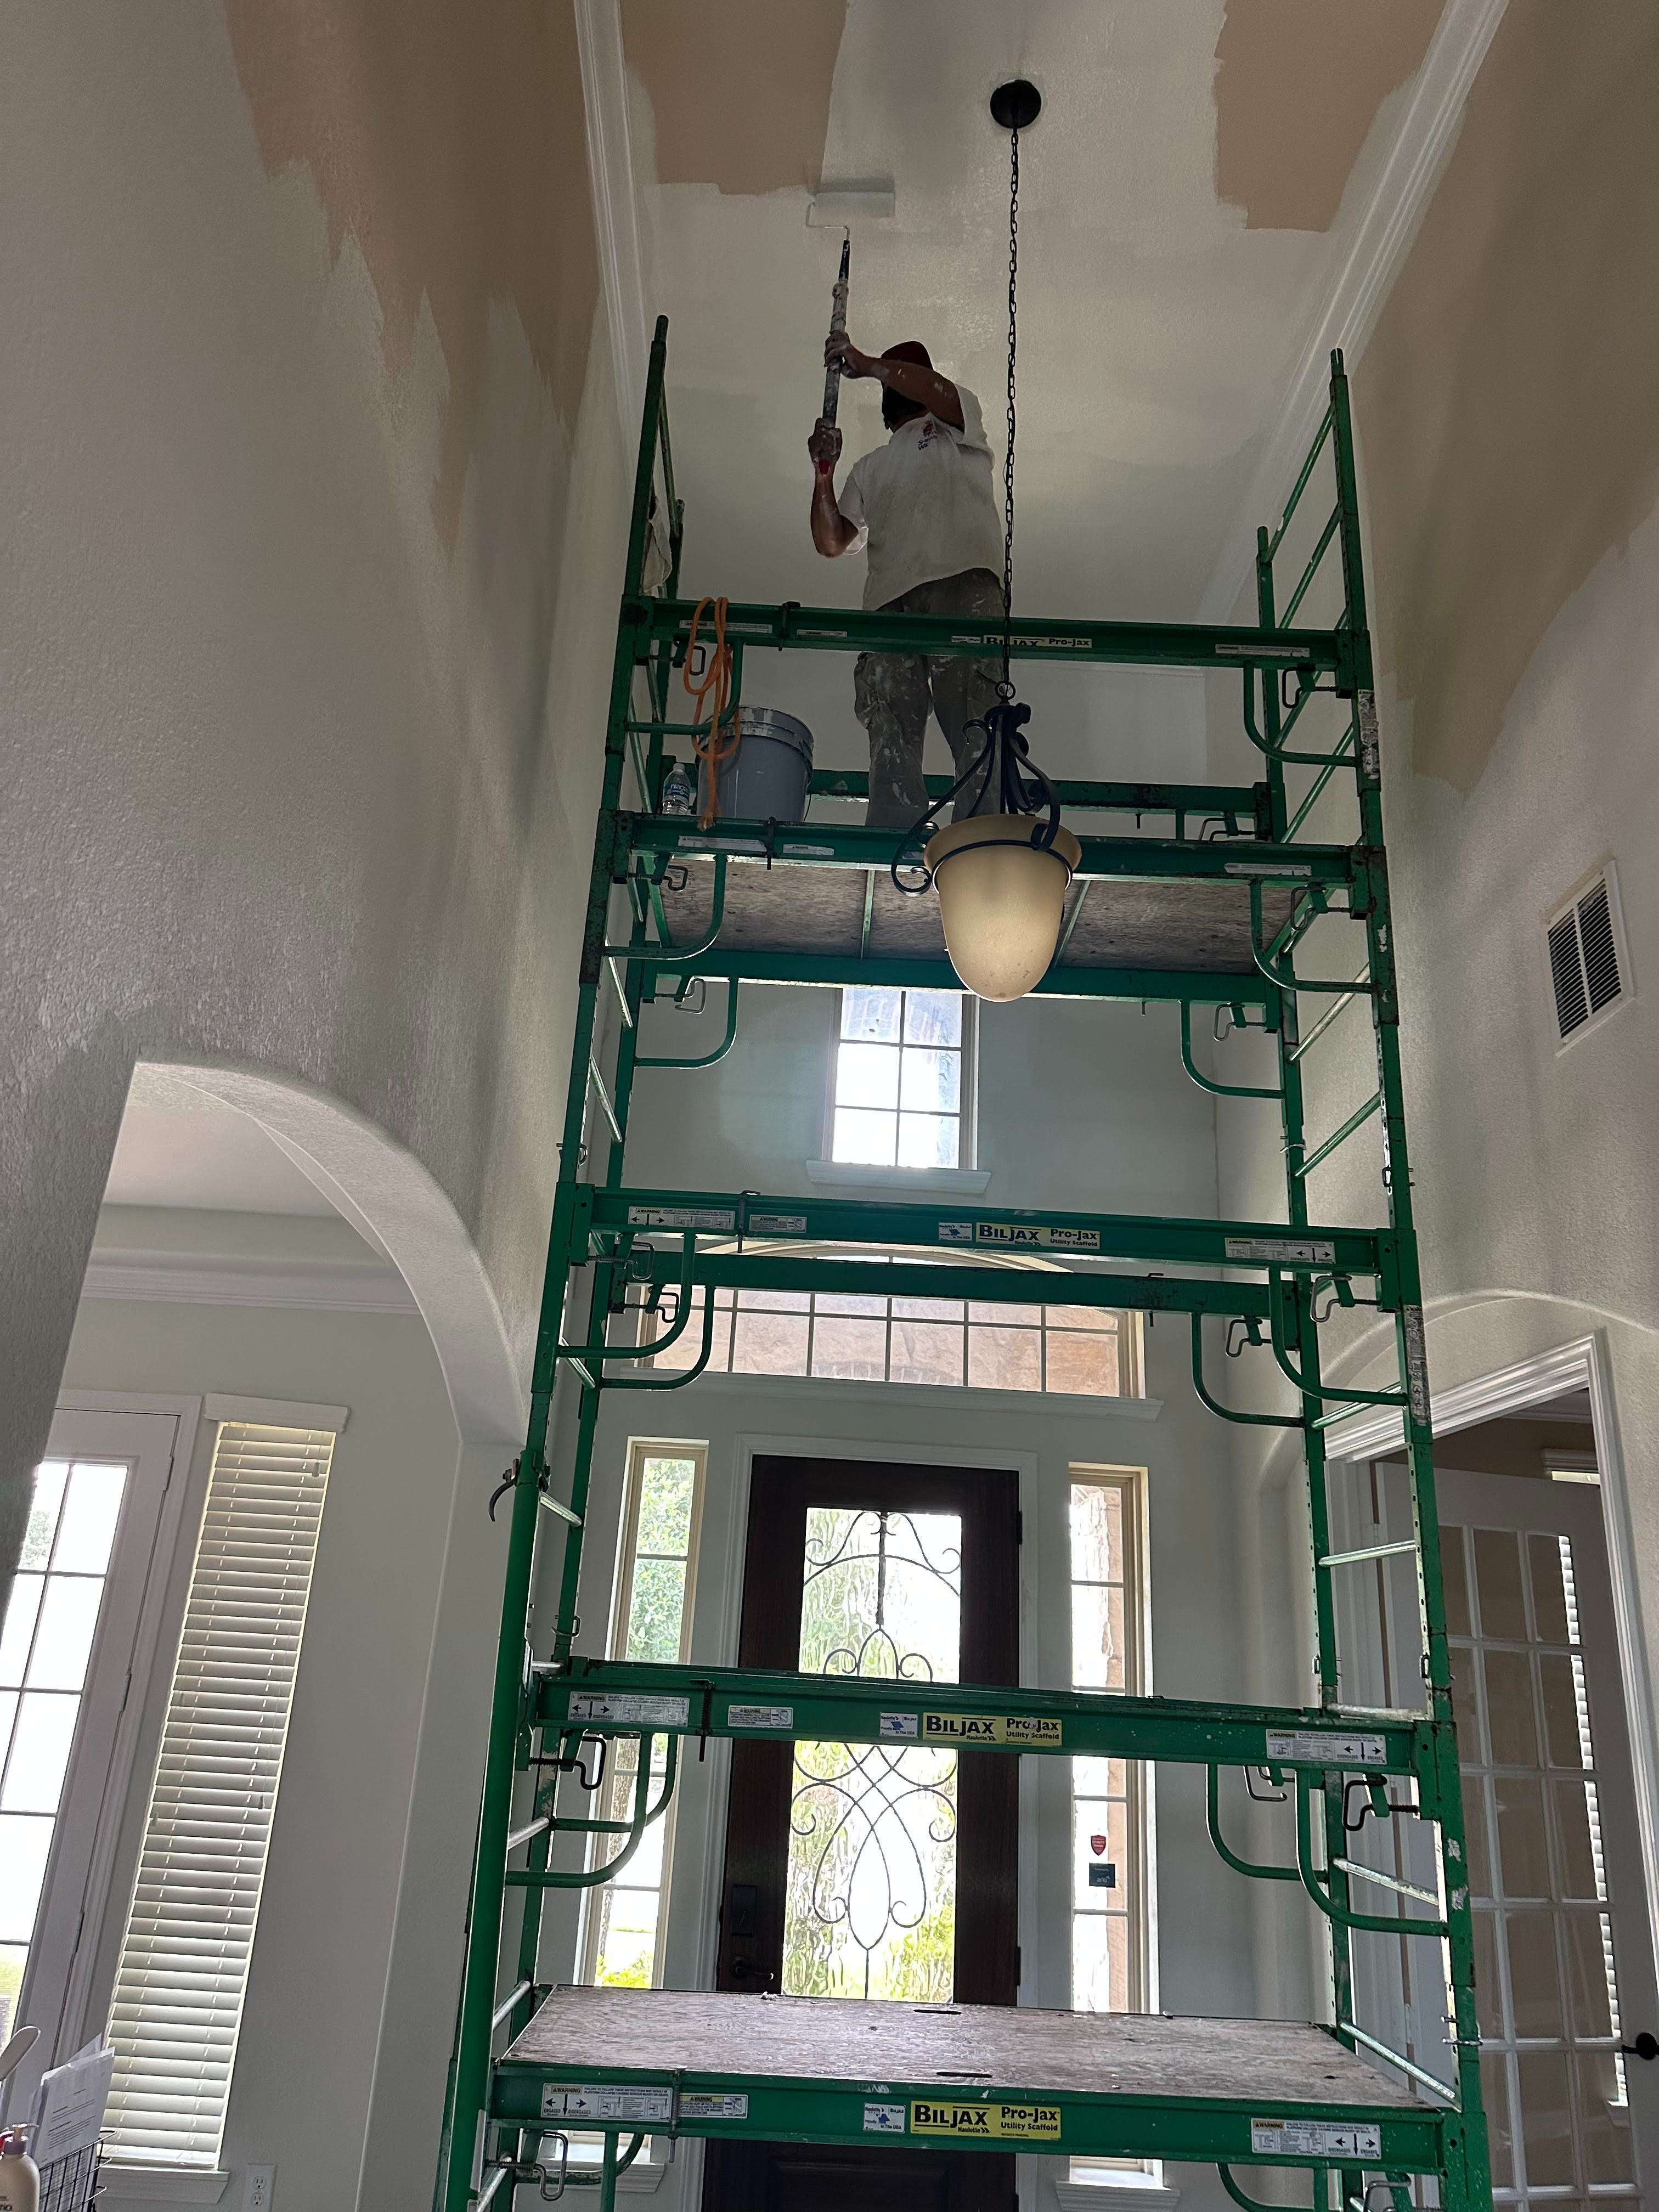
[
  {"x": 986, "y": 2123},
  {"x": 1033, "y": 1729}
]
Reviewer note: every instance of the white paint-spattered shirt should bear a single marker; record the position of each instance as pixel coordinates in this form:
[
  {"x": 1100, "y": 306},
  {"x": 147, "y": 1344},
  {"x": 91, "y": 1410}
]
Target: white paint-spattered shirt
[{"x": 924, "y": 506}]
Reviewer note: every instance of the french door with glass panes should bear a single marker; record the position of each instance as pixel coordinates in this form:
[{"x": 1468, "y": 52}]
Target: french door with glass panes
[
  {"x": 873, "y": 1870},
  {"x": 77, "y": 1623},
  {"x": 1564, "y": 1935},
  {"x": 1564, "y": 1941}
]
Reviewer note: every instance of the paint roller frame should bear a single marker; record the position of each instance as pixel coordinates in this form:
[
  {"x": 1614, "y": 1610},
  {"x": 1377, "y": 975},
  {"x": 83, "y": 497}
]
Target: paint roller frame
[{"x": 839, "y": 206}]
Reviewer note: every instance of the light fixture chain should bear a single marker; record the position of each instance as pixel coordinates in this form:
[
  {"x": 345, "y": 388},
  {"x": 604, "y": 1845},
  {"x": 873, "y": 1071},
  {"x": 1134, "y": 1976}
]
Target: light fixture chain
[{"x": 1006, "y": 687}]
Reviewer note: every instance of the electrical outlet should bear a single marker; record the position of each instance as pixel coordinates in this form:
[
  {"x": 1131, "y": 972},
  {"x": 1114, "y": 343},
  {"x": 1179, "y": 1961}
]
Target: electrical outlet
[{"x": 259, "y": 2188}]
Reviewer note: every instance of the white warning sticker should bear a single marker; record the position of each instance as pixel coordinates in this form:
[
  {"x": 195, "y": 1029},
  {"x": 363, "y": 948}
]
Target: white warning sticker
[
  {"x": 606, "y": 2101},
  {"x": 1315, "y": 2139},
  {"x": 719, "y": 845},
  {"x": 1286, "y": 1251},
  {"x": 615, "y": 1705},
  {"x": 1312, "y": 1747},
  {"x": 713, "y": 2105},
  {"x": 897, "y": 1724},
  {"x": 682, "y": 1217},
  {"x": 807, "y": 852},
  {"x": 884, "y": 2119},
  {"x": 1269, "y": 868},
  {"x": 1417, "y": 1363},
  {"x": 759, "y": 1716},
  {"x": 777, "y": 1224},
  {"x": 956, "y": 1233},
  {"x": 1370, "y": 758}
]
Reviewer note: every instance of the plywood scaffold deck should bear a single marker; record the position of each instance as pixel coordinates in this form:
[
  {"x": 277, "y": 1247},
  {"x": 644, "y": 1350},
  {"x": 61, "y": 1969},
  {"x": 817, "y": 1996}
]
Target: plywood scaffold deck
[{"x": 827, "y": 2069}]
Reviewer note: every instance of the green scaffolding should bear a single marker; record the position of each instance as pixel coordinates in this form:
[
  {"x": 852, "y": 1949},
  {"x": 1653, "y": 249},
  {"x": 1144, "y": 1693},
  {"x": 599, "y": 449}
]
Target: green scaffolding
[{"x": 613, "y": 1248}]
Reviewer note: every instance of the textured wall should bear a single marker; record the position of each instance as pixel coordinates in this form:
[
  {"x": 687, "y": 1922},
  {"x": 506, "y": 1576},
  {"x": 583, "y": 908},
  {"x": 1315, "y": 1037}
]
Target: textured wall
[
  {"x": 303, "y": 682},
  {"x": 1508, "y": 473}
]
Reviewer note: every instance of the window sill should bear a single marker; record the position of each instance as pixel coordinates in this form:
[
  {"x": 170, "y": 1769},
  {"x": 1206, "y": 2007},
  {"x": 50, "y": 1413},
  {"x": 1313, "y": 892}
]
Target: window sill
[
  {"x": 161, "y": 2185},
  {"x": 848, "y": 1175},
  {"x": 938, "y": 1393}
]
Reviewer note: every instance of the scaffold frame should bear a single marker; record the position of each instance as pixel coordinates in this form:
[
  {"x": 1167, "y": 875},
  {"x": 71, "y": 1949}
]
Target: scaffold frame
[{"x": 614, "y": 1248}]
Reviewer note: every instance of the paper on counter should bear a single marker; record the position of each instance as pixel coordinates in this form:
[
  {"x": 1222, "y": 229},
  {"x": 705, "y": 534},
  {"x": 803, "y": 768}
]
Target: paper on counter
[{"x": 69, "y": 2110}]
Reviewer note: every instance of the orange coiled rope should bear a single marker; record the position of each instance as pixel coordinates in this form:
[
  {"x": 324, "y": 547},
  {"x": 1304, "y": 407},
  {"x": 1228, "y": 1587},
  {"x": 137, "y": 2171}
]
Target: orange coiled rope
[{"x": 712, "y": 704}]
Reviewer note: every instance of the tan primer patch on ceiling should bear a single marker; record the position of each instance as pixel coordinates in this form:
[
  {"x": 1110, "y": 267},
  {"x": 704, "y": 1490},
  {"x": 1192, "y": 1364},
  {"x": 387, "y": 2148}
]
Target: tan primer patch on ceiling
[
  {"x": 448, "y": 141},
  {"x": 1508, "y": 402},
  {"x": 739, "y": 90},
  {"x": 1297, "y": 85}
]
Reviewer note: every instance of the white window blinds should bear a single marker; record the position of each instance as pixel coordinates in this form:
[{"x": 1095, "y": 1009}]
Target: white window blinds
[{"x": 179, "y": 1986}]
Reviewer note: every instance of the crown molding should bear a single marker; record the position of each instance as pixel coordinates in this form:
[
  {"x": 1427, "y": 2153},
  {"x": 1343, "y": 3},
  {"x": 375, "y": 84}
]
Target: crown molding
[
  {"x": 325, "y": 1286},
  {"x": 1505, "y": 1392},
  {"x": 1381, "y": 240},
  {"x": 616, "y": 215}
]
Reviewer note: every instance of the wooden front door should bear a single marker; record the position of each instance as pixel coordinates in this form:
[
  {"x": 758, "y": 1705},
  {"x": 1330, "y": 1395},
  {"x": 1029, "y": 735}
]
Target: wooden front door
[{"x": 885, "y": 1870}]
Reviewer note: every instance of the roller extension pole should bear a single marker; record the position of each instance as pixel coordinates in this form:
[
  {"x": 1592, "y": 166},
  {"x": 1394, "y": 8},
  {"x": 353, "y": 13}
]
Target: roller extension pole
[{"x": 837, "y": 330}]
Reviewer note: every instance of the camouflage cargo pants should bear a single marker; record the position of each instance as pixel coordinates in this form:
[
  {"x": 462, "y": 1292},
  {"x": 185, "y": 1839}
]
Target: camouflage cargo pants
[{"x": 893, "y": 691}]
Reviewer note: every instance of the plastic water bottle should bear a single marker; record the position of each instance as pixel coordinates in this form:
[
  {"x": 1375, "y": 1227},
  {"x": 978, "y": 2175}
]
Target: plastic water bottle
[{"x": 678, "y": 794}]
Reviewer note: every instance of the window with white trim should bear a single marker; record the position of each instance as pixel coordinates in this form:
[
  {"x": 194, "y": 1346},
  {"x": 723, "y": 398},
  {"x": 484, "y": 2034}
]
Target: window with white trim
[
  {"x": 1090, "y": 1352},
  {"x": 46, "y": 1637},
  {"x": 651, "y": 1620},
  {"x": 1110, "y": 1900},
  {"x": 902, "y": 1093},
  {"x": 181, "y": 1980}
]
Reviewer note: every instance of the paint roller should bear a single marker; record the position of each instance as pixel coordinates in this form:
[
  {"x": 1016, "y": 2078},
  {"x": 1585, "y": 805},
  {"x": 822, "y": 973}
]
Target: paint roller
[{"x": 843, "y": 206}]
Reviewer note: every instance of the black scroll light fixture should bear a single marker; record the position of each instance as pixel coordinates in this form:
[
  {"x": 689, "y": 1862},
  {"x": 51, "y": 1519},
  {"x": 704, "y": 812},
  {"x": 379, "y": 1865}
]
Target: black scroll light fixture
[{"x": 1002, "y": 869}]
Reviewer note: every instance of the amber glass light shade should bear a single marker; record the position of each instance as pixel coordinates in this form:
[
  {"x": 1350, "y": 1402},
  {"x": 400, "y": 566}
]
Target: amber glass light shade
[{"x": 1000, "y": 899}]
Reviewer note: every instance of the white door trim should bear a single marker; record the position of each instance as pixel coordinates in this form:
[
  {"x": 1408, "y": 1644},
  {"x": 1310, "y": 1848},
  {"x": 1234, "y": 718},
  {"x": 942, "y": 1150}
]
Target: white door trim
[{"x": 1581, "y": 1363}]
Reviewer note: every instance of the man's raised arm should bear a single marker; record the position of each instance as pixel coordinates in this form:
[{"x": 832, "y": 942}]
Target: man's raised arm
[
  {"x": 832, "y": 533},
  {"x": 922, "y": 386}
]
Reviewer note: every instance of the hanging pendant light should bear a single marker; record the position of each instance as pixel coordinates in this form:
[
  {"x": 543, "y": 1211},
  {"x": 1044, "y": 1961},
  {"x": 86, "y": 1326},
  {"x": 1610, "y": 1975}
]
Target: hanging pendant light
[
  {"x": 1002, "y": 877},
  {"x": 1003, "y": 871}
]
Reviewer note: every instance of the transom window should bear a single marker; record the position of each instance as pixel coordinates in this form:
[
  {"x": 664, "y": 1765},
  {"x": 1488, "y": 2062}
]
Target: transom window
[
  {"x": 1087, "y": 1352},
  {"x": 903, "y": 1075}
]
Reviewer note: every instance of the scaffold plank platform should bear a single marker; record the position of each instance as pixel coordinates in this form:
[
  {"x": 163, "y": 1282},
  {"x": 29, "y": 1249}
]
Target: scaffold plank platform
[
  {"x": 1115, "y": 922},
  {"x": 831, "y": 2069}
]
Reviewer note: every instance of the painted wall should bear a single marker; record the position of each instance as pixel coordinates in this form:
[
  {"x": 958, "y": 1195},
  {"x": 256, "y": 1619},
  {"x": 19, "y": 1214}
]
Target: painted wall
[
  {"x": 1079, "y": 1104},
  {"x": 1509, "y": 470},
  {"x": 320, "y": 2059},
  {"x": 313, "y": 541}
]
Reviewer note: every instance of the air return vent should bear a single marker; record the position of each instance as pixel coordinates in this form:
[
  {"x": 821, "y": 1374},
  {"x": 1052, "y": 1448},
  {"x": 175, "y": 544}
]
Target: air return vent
[{"x": 1589, "y": 969}]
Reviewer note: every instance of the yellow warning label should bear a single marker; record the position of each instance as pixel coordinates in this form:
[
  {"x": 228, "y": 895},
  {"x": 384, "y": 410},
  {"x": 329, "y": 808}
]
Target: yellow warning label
[
  {"x": 1029, "y": 1729},
  {"x": 986, "y": 2123}
]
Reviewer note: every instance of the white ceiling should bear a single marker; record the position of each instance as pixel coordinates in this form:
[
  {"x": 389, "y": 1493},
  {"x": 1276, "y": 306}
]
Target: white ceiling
[
  {"x": 179, "y": 1147},
  {"x": 1160, "y": 325}
]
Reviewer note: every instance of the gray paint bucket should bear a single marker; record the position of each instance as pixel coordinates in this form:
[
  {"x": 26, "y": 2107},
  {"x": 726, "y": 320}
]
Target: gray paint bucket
[{"x": 765, "y": 780}]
